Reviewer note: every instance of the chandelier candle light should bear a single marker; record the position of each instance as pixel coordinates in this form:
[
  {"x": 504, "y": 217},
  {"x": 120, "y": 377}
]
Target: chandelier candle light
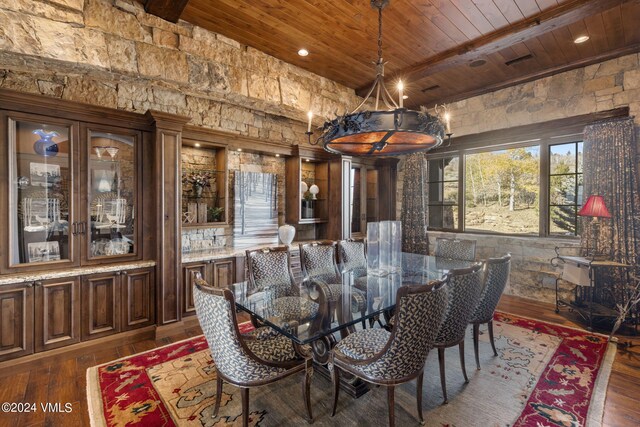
[{"x": 394, "y": 131}]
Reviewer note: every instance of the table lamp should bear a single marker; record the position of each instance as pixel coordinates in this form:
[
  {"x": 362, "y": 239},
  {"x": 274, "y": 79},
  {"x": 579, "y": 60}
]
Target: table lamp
[{"x": 595, "y": 208}]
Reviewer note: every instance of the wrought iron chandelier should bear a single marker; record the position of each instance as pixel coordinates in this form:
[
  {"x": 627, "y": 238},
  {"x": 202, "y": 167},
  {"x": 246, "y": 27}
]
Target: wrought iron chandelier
[{"x": 389, "y": 132}]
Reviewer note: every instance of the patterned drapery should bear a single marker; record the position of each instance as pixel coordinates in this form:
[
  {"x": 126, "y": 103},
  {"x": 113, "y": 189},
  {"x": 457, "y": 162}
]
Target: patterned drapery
[
  {"x": 611, "y": 170},
  {"x": 414, "y": 205}
]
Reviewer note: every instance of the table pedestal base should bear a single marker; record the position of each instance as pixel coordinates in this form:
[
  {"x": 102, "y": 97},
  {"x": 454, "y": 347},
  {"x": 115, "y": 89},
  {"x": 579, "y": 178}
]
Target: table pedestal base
[{"x": 353, "y": 386}]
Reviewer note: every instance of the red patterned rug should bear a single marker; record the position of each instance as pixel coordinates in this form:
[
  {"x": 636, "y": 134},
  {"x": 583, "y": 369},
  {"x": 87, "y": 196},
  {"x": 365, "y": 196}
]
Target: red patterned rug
[{"x": 545, "y": 375}]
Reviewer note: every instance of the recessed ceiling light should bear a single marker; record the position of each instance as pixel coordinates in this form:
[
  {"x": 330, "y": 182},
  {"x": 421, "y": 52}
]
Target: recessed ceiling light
[
  {"x": 477, "y": 63},
  {"x": 581, "y": 39},
  {"x": 303, "y": 52},
  {"x": 239, "y": 149},
  {"x": 405, "y": 96},
  {"x": 277, "y": 155},
  {"x": 197, "y": 144}
]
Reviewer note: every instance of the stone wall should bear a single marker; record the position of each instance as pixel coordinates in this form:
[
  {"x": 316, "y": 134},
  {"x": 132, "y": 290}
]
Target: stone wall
[
  {"x": 113, "y": 54},
  {"x": 599, "y": 87}
]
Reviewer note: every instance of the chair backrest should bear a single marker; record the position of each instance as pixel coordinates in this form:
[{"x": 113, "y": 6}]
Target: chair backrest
[
  {"x": 215, "y": 309},
  {"x": 456, "y": 249},
  {"x": 351, "y": 254},
  {"x": 420, "y": 310},
  {"x": 271, "y": 267},
  {"x": 495, "y": 280},
  {"x": 318, "y": 261},
  {"x": 464, "y": 287}
]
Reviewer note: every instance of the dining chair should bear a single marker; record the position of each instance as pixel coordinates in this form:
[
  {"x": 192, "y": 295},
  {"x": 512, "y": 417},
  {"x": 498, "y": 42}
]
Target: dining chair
[
  {"x": 269, "y": 270},
  {"x": 318, "y": 262},
  {"x": 394, "y": 357},
  {"x": 495, "y": 280},
  {"x": 240, "y": 360},
  {"x": 464, "y": 287},
  {"x": 456, "y": 249},
  {"x": 352, "y": 256}
]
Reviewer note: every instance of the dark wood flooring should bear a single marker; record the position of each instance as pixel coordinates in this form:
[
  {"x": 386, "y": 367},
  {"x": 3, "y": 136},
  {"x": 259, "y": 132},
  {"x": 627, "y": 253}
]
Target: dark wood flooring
[{"x": 63, "y": 380}]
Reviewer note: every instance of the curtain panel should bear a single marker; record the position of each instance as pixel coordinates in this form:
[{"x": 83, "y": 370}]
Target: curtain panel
[
  {"x": 611, "y": 170},
  {"x": 414, "y": 205}
]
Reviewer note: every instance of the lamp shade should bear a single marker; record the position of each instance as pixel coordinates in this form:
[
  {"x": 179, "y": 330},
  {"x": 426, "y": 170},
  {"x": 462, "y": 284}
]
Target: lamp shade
[{"x": 595, "y": 207}]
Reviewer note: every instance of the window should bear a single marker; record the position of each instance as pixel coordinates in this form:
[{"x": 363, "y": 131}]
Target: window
[
  {"x": 443, "y": 193},
  {"x": 524, "y": 180},
  {"x": 502, "y": 189},
  {"x": 565, "y": 188}
]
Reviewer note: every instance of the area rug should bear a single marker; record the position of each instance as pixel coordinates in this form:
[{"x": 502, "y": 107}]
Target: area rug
[{"x": 544, "y": 375}]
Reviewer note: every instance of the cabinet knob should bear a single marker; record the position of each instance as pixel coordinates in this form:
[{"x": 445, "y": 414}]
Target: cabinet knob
[
  {"x": 37, "y": 283},
  {"x": 124, "y": 273},
  {"x": 29, "y": 285}
]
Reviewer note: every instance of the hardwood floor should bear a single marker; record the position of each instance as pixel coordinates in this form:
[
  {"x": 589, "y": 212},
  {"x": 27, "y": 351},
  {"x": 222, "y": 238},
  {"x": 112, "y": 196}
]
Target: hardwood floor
[{"x": 63, "y": 380}]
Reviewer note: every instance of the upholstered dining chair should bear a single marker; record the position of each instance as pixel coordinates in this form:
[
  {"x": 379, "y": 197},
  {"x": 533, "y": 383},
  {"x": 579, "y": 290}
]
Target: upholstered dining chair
[
  {"x": 240, "y": 360},
  {"x": 495, "y": 280},
  {"x": 318, "y": 262},
  {"x": 464, "y": 287},
  {"x": 456, "y": 249},
  {"x": 391, "y": 358},
  {"x": 269, "y": 269},
  {"x": 352, "y": 256}
]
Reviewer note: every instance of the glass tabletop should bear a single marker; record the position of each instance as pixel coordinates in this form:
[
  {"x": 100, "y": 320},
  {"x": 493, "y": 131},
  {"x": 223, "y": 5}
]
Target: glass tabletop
[{"x": 362, "y": 294}]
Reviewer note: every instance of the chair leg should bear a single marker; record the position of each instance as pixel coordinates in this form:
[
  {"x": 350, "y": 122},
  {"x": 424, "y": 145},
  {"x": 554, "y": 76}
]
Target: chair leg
[
  {"x": 443, "y": 378},
  {"x": 419, "y": 396},
  {"x": 391, "y": 399},
  {"x": 335, "y": 377},
  {"x": 493, "y": 344},
  {"x": 476, "y": 342},
  {"x": 245, "y": 406},
  {"x": 306, "y": 390},
  {"x": 462, "y": 364},
  {"x": 218, "y": 395}
]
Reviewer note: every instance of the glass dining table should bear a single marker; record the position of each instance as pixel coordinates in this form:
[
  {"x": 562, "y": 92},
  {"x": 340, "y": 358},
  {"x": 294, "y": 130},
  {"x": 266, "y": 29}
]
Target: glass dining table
[{"x": 314, "y": 318}]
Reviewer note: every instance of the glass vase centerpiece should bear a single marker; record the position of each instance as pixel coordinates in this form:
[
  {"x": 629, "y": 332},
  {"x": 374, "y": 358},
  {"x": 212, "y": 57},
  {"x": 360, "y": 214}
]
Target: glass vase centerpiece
[{"x": 384, "y": 247}]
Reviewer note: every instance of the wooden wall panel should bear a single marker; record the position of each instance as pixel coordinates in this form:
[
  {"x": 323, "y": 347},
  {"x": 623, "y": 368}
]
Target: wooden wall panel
[
  {"x": 57, "y": 315},
  {"x": 16, "y": 321}
]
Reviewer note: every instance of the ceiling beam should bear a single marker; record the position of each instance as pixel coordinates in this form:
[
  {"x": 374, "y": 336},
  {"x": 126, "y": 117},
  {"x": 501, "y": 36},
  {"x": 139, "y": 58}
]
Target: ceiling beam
[
  {"x": 549, "y": 20},
  {"x": 169, "y": 10},
  {"x": 605, "y": 56}
]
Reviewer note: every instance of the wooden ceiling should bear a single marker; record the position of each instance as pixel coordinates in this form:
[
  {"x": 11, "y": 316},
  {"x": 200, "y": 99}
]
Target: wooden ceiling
[{"x": 432, "y": 45}]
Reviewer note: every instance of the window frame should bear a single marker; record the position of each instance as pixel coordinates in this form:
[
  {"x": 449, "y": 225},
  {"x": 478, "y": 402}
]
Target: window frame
[
  {"x": 441, "y": 185},
  {"x": 543, "y": 135},
  {"x": 576, "y": 174}
]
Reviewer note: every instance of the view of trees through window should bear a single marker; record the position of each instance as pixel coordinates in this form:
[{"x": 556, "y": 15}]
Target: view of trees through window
[
  {"x": 502, "y": 191},
  {"x": 443, "y": 193},
  {"x": 565, "y": 188}
]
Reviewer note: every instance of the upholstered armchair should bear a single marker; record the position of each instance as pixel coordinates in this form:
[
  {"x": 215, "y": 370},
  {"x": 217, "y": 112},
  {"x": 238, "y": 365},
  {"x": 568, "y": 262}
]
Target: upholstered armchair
[
  {"x": 269, "y": 271},
  {"x": 463, "y": 290},
  {"x": 456, "y": 249},
  {"x": 495, "y": 280},
  {"x": 245, "y": 361},
  {"x": 394, "y": 357},
  {"x": 318, "y": 262}
]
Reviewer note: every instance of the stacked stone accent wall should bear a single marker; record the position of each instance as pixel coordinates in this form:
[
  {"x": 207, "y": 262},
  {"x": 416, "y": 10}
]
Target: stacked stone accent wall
[
  {"x": 599, "y": 87},
  {"x": 113, "y": 54}
]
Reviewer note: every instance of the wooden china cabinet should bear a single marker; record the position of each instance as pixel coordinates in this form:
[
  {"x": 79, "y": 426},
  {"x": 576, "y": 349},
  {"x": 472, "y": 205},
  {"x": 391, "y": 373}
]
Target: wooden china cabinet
[{"x": 72, "y": 215}]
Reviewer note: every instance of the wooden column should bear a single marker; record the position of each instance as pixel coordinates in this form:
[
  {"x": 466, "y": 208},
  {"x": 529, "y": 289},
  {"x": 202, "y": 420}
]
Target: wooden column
[
  {"x": 387, "y": 188},
  {"x": 166, "y": 170}
]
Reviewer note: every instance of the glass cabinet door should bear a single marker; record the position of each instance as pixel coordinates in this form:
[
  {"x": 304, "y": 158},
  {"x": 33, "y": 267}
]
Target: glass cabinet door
[
  {"x": 40, "y": 192},
  {"x": 111, "y": 189}
]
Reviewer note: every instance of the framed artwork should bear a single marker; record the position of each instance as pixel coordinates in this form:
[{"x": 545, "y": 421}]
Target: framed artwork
[
  {"x": 43, "y": 251},
  {"x": 44, "y": 174}
]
